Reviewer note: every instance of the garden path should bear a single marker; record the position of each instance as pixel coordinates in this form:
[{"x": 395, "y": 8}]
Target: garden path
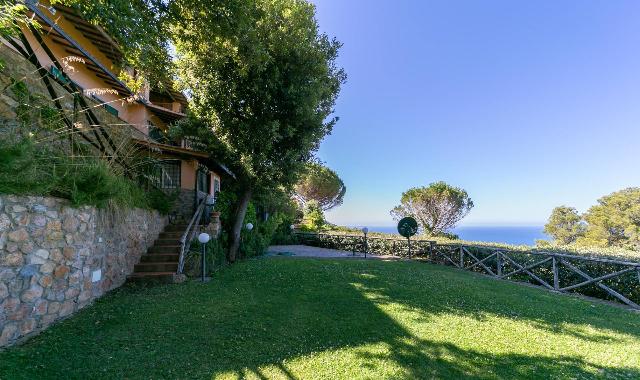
[{"x": 306, "y": 251}]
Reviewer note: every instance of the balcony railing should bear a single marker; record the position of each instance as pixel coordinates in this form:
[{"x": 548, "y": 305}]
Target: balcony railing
[{"x": 174, "y": 107}]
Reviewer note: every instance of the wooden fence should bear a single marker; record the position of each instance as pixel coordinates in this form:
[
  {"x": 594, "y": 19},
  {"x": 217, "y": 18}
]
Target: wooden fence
[{"x": 604, "y": 278}]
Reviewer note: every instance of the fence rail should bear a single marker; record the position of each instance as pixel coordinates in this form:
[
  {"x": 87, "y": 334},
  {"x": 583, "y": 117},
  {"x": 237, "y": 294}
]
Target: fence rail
[{"x": 604, "y": 278}]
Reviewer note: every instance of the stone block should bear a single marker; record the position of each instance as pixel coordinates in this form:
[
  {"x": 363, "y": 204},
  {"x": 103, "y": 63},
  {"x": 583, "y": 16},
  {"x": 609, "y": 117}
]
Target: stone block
[
  {"x": 4, "y": 291},
  {"x": 28, "y": 325},
  {"x": 67, "y": 308},
  {"x": 41, "y": 307},
  {"x": 18, "y": 235},
  {"x": 47, "y": 267},
  {"x": 70, "y": 224},
  {"x": 55, "y": 255},
  {"x": 5, "y": 222},
  {"x": 7, "y": 275},
  {"x": 61, "y": 271},
  {"x": 54, "y": 307},
  {"x": 39, "y": 220},
  {"x": 18, "y": 208},
  {"x": 45, "y": 281},
  {"x": 26, "y": 247},
  {"x": 12, "y": 260},
  {"x": 9, "y": 305},
  {"x": 85, "y": 295},
  {"x": 47, "y": 320},
  {"x": 9, "y": 334},
  {"x": 69, "y": 252},
  {"x": 20, "y": 313},
  {"x": 32, "y": 294},
  {"x": 71, "y": 293}
]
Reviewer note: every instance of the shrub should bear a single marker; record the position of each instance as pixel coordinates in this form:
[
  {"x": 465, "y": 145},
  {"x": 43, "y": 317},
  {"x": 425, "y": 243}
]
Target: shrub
[{"x": 48, "y": 170}]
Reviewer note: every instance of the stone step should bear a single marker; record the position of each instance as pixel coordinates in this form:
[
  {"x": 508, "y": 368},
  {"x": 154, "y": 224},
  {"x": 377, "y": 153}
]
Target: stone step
[
  {"x": 152, "y": 277},
  {"x": 156, "y": 267},
  {"x": 170, "y": 235},
  {"x": 175, "y": 228},
  {"x": 164, "y": 249},
  {"x": 167, "y": 242},
  {"x": 160, "y": 257}
]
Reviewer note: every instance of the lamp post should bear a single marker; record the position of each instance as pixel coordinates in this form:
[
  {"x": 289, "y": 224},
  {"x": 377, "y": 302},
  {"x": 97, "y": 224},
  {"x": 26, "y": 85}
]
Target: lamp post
[
  {"x": 294, "y": 238},
  {"x": 365, "y": 230},
  {"x": 249, "y": 227},
  {"x": 204, "y": 238}
]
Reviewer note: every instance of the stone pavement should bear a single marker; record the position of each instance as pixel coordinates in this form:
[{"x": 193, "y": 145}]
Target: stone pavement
[{"x": 306, "y": 251}]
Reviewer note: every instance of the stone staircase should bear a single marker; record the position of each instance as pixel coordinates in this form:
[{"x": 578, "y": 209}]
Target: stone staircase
[{"x": 160, "y": 263}]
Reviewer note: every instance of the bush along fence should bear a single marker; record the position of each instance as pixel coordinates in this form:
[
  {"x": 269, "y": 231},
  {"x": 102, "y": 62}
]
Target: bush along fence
[
  {"x": 372, "y": 245},
  {"x": 609, "y": 279}
]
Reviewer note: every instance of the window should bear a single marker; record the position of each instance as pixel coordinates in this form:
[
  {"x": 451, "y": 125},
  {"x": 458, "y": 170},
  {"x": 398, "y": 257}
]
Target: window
[
  {"x": 156, "y": 133},
  {"x": 202, "y": 178},
  {"x": 168, "y": 174}
]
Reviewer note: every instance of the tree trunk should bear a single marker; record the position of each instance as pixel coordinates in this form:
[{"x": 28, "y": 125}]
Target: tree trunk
[{"x": 238, "y": 223}]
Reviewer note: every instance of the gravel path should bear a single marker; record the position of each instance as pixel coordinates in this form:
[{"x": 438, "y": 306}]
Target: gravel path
[{"x": 306, "y": 251}]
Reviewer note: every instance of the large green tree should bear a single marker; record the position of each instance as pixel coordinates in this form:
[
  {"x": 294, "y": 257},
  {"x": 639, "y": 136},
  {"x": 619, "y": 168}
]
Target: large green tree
[
  {"x": 614, "y": 221},
  {"x": 565, "y": 225},
  {"x": 264, "y": 80},
  {"x": 320, "y": 184},
  {"x": 437, "y": 208}
]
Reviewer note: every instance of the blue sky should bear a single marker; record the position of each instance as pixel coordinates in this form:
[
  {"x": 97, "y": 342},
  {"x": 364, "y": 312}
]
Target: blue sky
[{"x": 525, "y": 104}]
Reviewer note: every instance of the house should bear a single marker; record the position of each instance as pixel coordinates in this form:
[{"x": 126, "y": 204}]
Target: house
[{"x": 83, "y": 58}]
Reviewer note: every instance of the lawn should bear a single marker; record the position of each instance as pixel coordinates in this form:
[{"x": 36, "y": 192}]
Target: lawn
[{"x": 335, "y": 319}]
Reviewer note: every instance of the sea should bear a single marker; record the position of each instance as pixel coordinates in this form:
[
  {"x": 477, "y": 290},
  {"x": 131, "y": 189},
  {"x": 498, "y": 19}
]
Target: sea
[{"x": 516, "y": 235}]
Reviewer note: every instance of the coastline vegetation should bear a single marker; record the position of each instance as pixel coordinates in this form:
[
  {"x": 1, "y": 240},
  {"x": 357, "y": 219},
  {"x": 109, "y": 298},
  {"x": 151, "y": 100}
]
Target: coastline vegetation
[{"x": 614, "y": 222}]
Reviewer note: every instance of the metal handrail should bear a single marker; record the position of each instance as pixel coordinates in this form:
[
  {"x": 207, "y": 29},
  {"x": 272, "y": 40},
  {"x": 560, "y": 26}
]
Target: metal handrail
[{"x": 189, "y": 234}]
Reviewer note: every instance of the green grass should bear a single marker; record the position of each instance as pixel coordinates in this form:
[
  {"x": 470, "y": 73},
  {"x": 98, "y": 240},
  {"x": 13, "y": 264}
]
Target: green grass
[{"x": 335, "y": 319}]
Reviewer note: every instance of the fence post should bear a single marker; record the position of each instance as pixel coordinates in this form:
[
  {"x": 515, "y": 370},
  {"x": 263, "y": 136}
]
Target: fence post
[
  {"x": 556, "y": 279},
  {"x": 461, "y": 257},
  {"x": 366, "y": 246},
  {"x": 499, "y": 264}
]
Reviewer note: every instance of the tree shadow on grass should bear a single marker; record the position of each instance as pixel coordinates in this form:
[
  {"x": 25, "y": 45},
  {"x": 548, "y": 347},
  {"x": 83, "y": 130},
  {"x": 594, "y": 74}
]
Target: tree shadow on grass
[
  {"x": 257, "y": 317},
  {"x": 437, "y": 290},
  {"x": 365, "y": 290}
]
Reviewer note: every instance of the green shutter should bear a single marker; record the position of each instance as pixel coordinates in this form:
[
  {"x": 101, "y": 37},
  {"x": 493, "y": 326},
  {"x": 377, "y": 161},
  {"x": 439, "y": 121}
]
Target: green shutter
[{"x": 59, "y": 75}]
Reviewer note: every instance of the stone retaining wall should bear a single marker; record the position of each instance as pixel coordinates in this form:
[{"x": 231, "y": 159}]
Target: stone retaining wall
[{"x": 55, "y": 259}]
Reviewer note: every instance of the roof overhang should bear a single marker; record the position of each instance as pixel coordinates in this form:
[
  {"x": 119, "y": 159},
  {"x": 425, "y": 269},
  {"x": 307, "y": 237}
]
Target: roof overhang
[
  {"x": 166, "y": 115},
  {"x": 73, "y": 47},
  {"x": 179, "y": 152},
  {"x": 172, "y": 150}
]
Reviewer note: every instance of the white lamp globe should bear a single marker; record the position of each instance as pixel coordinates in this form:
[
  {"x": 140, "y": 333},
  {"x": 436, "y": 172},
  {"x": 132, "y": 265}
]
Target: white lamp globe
[
  {"x": 249, "y": 226},
  {"x": 293, "y": 227},
  {"x": 365, "y": 230},
  {"x": 204, "y": 238}
]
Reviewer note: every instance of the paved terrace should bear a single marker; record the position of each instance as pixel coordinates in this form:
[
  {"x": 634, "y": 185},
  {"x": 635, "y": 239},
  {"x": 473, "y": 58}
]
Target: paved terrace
[{"x": 306, "y": 251}]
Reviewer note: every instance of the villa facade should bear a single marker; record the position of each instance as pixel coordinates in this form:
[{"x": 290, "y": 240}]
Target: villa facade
[{"x": 83, "y": 58}]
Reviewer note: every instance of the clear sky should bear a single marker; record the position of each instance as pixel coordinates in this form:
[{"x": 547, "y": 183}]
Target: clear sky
[{"x": 525, "y": 104}]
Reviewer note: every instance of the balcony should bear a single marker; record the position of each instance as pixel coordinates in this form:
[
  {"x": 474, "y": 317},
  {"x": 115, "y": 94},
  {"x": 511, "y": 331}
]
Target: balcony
[{"x": 173, "y": 107}]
